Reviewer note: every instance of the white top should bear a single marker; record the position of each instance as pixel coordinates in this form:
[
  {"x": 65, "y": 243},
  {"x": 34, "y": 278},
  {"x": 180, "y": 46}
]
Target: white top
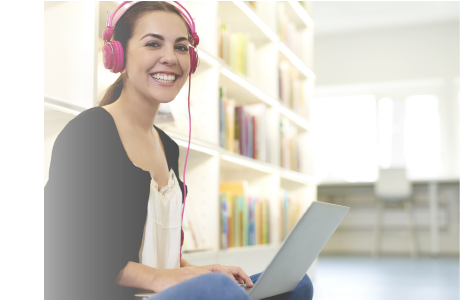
[{"x": 160, "y": 246}]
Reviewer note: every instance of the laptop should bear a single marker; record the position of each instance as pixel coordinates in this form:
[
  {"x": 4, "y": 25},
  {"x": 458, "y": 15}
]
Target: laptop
[{"x": 297, "y": 252}]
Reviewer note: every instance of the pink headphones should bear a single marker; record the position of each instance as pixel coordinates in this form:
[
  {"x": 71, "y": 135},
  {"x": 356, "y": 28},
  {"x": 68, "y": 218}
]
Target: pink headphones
[
  {"x": 113, "y": 57},
  {"x": 113, "y": 54}
]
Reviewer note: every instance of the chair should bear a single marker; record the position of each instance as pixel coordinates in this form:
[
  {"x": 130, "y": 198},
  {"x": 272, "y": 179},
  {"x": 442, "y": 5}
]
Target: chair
[{"x": 391, "y": 189}]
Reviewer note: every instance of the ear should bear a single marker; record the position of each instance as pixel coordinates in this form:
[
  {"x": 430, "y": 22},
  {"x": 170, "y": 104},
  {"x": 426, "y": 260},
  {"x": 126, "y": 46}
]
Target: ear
[{"x": 123, "y": 71}]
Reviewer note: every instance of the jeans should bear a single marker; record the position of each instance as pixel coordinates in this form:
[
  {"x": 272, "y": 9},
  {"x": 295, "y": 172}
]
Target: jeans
[{"x": 222, "y": 287}]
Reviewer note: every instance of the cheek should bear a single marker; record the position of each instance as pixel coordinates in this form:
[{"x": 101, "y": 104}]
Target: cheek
[{"x": 185, "y": 62}]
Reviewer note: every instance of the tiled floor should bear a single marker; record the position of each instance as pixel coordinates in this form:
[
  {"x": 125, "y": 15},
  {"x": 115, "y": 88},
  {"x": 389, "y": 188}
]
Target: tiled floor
[{"x": 386, "y": 278}]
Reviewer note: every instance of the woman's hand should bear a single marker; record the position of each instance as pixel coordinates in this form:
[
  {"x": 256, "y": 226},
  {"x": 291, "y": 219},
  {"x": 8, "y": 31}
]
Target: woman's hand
[
  {"x": 166, "y": 278},
  {"x": 236, "y": 273}
]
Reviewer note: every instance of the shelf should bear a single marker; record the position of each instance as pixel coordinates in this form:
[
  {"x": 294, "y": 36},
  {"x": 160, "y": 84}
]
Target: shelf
[
  {"x": 243, "y": 19},
  {"x": 241, "y": 160},
  {"x": 298, "y": 15},
  {"x": 295, "y": 61},
  {"x": 242, "y": 89},
  {"x": 52, "y": 103},
  {"x": 236, "y": 250},
  {"x": 251, "y": 20}
]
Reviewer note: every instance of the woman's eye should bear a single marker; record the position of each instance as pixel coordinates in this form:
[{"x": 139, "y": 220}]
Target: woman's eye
[
  {"x": 182, "y": 48},
  {"x": 152, "y": 44}
]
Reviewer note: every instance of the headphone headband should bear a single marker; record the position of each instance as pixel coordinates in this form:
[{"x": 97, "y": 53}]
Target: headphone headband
[{"x": 189, "y": 20}]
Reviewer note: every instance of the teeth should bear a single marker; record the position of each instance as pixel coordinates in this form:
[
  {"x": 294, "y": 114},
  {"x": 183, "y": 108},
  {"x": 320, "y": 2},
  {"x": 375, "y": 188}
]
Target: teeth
[{"x": 164, "y": 78}]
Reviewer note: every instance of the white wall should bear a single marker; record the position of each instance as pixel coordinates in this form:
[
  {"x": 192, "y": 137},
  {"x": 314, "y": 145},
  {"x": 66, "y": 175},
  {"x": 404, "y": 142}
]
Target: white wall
[
  {"x": 70, "y": 50},
  {"x": 397, "y": 63}
]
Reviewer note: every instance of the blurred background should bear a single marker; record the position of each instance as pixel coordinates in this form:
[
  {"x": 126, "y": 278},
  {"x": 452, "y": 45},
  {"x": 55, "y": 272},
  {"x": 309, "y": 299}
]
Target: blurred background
[{"x": 386, "y": 121}]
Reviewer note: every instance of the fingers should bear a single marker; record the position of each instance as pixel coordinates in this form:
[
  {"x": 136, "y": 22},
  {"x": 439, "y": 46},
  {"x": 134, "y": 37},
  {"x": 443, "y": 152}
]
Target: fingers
[
  {"x": 218, "y": 268},
  {"x": 225, "y": 271},
  {"x": 237, "y": 271}
]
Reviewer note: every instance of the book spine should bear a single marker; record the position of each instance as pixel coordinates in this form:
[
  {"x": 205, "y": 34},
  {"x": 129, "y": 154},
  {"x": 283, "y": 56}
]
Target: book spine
[
  {"x": 264, "y": 224},
  {"x": 254, "y": 242},
  {"x": 230, "y": 118},
  {"x": 237, "y": 131},
  {"x": 224, "y": 221},
  {"x": 237, "y": 222},
  {"x": 241, "y": 219},
  {"x": 230, "y": 220},
  {"x": 257, "y": 222},
  {"x": 222, "y": 123},
  {"x": 245, "y": 221}
]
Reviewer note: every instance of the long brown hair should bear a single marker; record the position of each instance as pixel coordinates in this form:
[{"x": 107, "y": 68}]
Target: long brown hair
[{"x": 123, "y": 31}]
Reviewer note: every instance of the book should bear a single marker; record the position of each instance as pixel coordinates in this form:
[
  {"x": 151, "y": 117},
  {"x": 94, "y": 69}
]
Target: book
[
  {"x": 229, "y": 124},
  {"x": 224, "y": 223}
]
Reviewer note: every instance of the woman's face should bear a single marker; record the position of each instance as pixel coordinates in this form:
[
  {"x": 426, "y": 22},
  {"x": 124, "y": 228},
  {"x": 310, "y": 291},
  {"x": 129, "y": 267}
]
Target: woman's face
[{"x": 158, "y": 61}]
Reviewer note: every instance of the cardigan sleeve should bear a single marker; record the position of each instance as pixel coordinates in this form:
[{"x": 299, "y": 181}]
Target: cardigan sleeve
[{"x": 84, "y": 249}]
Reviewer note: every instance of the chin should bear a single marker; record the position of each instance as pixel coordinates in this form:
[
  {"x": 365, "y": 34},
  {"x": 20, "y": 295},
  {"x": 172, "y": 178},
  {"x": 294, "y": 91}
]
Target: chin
[{"x": 165, "y": 99}]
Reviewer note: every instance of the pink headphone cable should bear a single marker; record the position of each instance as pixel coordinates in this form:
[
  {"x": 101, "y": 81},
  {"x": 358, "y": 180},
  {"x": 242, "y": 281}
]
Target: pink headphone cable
[{"x": 189, "y": 134}]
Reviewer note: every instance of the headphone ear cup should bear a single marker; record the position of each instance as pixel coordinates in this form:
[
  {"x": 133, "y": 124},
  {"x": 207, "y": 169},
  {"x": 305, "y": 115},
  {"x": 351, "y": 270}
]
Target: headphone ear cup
[
  {"x": 193, "y": 59},
  {"x": 107, "y": 56},
  {"x": 113, "y": 62},
  {"x": 119, "y": 56}
]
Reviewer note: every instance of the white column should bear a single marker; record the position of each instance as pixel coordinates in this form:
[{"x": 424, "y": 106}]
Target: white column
[{"x": 434, "y": 226}]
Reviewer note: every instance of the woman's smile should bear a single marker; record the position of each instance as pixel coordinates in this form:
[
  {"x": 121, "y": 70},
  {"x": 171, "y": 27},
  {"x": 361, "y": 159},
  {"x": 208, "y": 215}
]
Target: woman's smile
[{"x": 164, "y": 78}]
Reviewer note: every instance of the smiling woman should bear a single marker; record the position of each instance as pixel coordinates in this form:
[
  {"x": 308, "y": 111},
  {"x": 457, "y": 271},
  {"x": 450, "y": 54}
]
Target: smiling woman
[{"x": 113, "y": 199}]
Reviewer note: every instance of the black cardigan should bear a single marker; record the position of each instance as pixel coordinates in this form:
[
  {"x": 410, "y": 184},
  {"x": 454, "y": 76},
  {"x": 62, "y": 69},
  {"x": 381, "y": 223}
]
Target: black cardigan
[{"x": 95, "y": 209}]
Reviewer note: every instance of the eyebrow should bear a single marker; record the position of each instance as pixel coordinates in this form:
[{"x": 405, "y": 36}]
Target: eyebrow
[{"x": 162, "y": 38}]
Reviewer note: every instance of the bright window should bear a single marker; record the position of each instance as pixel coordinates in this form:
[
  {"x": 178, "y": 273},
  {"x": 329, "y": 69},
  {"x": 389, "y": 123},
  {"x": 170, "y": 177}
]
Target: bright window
[
  {"x": 385, "y": 137},
  {"x": 345, "y": 138},
  {"x": 422, "y": 139}
]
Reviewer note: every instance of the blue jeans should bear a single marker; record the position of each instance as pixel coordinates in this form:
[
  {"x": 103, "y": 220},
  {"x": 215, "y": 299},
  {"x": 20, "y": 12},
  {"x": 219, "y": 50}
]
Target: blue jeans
[{"x": 222, "y": 287}]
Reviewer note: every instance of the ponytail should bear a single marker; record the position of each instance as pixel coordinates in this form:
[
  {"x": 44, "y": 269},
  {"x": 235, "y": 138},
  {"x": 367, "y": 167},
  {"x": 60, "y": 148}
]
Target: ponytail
[{"x": 113, "y": 92}]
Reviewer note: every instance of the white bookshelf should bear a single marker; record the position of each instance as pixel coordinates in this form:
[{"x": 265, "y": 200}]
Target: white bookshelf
[{"x": 208, "y": 163}]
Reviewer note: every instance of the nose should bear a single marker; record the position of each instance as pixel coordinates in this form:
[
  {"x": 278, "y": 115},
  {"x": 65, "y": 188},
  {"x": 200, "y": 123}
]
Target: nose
[{"x": 168, "y": 56}]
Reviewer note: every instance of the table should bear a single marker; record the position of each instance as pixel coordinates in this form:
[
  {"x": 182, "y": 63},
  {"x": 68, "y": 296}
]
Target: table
[{"x": 432, "y": 185}]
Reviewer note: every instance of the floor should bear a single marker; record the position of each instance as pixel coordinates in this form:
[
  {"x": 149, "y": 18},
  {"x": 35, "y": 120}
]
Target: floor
[{"x": 386, "y": 277}]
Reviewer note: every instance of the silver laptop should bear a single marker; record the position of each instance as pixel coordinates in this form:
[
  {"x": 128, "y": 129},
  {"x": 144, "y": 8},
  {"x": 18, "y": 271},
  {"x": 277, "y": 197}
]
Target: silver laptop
[{"x": 297, "y": 252}]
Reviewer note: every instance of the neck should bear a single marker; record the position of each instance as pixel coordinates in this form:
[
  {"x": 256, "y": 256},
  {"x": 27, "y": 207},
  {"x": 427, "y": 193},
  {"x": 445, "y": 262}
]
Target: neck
[{"x": 137, "y": 112}]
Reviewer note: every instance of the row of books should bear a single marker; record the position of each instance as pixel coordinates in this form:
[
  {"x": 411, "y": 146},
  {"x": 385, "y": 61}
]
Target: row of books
[
  {"x": 243, "y": 128},
  {"x": 245, "y": 219},
  {"x": 237, "y": 50},
  {"x": 291, "y": 87}
]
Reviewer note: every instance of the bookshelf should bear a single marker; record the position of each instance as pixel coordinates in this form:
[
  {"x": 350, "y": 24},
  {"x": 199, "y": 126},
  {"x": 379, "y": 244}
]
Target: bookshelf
[{"x": 207, "y": 158}]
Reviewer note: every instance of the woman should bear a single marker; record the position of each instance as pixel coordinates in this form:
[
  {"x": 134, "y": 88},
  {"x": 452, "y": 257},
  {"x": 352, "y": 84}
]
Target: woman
[{"x": 110, "y": 163}]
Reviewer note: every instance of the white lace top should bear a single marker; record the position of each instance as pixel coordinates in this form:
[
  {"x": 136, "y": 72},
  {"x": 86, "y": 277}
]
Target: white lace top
[{"x": 160, "y": 247}]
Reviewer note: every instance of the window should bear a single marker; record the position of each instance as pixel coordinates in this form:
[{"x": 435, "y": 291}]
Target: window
[
  {"x": 345, "y": 138},
  {"x": 385, "y": 137}
]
